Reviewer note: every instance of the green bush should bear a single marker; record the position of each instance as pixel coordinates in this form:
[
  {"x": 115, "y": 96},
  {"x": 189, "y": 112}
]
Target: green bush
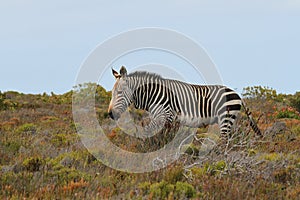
[
  {"x": 12, "y": 146},
  {"x": 64, "y": 175},
  {"x": 62, "y": 139},
  {"x": 27, "y": 128},
  {"x": 295, "y": 101},
  {"x": 66, "y": 172},
  {"x": 271, "y": 156},
  {"x": 174, "y": 174},
  {"x": 164, "y": 190},
  {"x": 184, "y": 190},
  {"x": 288, "y": 113},
  {"x": 6, "y": 103},
  {"x": 145, "y": 187},
  {"x": 85, "y": 91},
  {"x": 259, "y": 92},
  {"x": 296, "y": 129},
  {"x": 161, "y": 190},
  {"x": 33, "y": 164},
  {"x": 215, "y": 168},
  {"x": 192, "y": 150},
  {"x": 209, "y": 169}
]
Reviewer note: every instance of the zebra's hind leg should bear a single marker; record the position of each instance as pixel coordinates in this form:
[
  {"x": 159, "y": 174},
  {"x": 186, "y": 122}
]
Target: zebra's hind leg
[{"x": 226, "y": 123}]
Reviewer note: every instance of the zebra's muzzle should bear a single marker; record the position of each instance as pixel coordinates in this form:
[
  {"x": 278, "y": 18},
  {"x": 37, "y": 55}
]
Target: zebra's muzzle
[{"x": 113, "y": 116}]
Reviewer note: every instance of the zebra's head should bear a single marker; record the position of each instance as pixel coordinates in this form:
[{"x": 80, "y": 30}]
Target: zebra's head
[{"x": 121, "y": 94}]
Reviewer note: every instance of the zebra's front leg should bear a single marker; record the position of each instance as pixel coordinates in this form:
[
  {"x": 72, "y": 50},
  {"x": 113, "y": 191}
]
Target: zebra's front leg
[
  {"x": 158, "y": 119},
  {"x": 156, "y": 124}
]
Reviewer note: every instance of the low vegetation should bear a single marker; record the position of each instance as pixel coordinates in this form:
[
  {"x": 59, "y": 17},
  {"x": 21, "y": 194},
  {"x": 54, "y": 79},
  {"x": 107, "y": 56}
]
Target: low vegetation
[{"x": 42, "y": 157}]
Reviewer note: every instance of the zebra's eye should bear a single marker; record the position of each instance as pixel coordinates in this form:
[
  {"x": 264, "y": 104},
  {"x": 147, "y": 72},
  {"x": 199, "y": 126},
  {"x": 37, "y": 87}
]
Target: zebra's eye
[{"x": 119, "y": 92}]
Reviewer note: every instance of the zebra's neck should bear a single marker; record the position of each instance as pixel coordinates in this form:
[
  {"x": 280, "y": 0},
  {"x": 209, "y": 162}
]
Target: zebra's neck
[{"x": 141, "y": 87}]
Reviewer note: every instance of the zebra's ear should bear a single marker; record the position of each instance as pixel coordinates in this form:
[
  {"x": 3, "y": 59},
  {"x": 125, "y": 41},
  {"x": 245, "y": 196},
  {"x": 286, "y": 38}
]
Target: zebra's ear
[
  {"x": 115, "y": 73},
  {"x": 123, "y": 71}
]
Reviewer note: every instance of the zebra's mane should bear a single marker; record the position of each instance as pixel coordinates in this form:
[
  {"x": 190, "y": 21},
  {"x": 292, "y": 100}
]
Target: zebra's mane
[{"x": 144, "y": 74}]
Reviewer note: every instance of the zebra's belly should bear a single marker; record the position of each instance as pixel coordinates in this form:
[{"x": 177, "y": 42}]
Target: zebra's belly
[{"x": 196, "y": 121}]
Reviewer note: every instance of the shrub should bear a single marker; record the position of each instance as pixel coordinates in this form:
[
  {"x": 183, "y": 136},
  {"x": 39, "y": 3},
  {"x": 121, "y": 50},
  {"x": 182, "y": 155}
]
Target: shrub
[
  {"x": 295, "y": 101},
  {"x": 164, "y": 190},
  {"x": 212, "y": 169},
  {"x": 64, "y": 175},
  {"x": 6, "y": 103},
  {"x": 27, "y": 128},
  {"x": 192, "y": 150},
  {"x": 63, "y": 170},
  {"x": 184, "y": 190},
  {"x": 288, "y": 112},
  {"x": 12, "y": 146},
  {"x": 259, "y": 92},
  {"x": 215, "y": 168},
  {"x": 62, "y": 139},
  {"x": 33, "y": 164},
  {"x": 174, "y": 174},
  {"x": 86, "y": 91},
  {"x": 198, "y": 172},
  {"x": 145, "y": 187},
  {"x": 161, "y": 190},
  {"x": 252, "y": 152},
  {"x": 296, "y": 129},
  {"x": 272, "y": 156},
  {"x": 284, "y": 175}
]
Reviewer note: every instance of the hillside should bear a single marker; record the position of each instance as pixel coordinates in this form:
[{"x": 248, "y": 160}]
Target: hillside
[{"x": 42, "y": 157}]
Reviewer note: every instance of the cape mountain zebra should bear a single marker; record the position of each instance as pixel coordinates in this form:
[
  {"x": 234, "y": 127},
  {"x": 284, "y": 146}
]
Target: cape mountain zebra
[{"x": 168, "y": 100}]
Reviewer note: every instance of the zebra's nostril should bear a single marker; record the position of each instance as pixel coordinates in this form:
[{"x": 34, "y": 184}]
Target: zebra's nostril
[{"x": 111, "y": 115}]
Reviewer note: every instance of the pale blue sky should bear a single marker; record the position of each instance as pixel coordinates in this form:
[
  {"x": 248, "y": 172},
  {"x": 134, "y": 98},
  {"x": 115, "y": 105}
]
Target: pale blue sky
[{"x": 43, "y": 44}]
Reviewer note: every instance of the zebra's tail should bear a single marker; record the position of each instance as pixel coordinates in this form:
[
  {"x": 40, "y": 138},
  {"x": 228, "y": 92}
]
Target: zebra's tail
[{"x": 252, "y": 121}]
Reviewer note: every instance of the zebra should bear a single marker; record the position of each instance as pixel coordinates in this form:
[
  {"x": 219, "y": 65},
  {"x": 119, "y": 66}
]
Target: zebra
[{"x": 168, "y": 100}]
